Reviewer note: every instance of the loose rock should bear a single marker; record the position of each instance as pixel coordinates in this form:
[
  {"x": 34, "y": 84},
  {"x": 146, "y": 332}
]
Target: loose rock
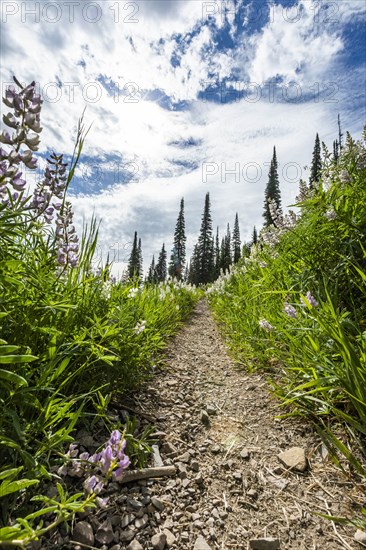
[
  {"x": 201, "y": 544},
  {"x": 83, "y": 533},
  {"x": 159, "y": 541},
  {"x": 360, "y": 536},
  {"x": 135, "y": 545},
  {"x": 294, "y": 459},
  {"x": 104, "y": 534}
]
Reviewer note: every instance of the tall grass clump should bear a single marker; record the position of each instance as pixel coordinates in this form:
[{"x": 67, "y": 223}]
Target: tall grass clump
[
  {"x": 70, "y": 335},
  {"x": 297, "y": 305}
]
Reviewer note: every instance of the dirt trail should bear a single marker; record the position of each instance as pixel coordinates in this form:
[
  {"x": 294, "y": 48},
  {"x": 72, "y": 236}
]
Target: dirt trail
[{"x": 230, "y": 491}]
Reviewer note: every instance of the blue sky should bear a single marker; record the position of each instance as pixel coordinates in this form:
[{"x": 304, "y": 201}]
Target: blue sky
[{"x": 185, "y": 97}]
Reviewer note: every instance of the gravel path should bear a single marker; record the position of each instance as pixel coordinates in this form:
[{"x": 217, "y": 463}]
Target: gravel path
[{"x": 230, "y": 490}]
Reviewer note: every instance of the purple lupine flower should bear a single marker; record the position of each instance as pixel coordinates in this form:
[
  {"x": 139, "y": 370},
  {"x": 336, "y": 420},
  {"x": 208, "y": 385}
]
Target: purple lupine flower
[
  {"x": 106, "y": 459},
  {"x": 90, "y": 483},
  {"x": 102, "y": 502},
  {"x": 290, "y": 310},
  {"x": 73, "y": 450},
  {"x": 65, "y": 234},
  {"x": 115, "y": 437},
  {"x": 84, "y": 456},
  {"x": 311, "y": 300},
  {"x": 265, "y": 325}
]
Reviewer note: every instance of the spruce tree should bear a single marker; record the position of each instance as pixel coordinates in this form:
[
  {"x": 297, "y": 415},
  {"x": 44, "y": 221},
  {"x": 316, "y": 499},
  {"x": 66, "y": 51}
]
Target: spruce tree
[
  {"x": 316, "y": 165},
  {"x": 141, "y": 263},
  {"x": 161, "y": 268},
  {"x": 272, "y": 191},
  {"x": 193, "y": 267},
  {"x": 205, "y": 268},
  {"x": 255, "y": 236},
  {"x": 134, "y": 263},
  {"x": 335, "y": 151},
  {"x": 217, "y": 254},
  {"x": 236, "y": 240},
  {"x": 151, "y": 278},
  {"x": 178, "y": 257},
  {"x": 226, "y": 259}
]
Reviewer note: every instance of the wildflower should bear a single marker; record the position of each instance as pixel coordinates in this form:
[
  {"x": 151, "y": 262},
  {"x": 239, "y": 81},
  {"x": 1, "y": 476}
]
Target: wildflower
[
  {"x": 290, "y": 310},
  {"x": 265, "y": 325},
  {"x": 132, "y": 293},
  {"x": 140, "y": 327},
  {"x": 90, "y": 483},
  {"x": 311, "y": 300},
  {"x": 115, "y": 437},
  {"x": 66, "y": 237},
  {"x": 263, "y": 264},
  {"x": 330, "y": 214},
  {"x": 344, "y": 176},
  {"x": 102, "y": 502}
]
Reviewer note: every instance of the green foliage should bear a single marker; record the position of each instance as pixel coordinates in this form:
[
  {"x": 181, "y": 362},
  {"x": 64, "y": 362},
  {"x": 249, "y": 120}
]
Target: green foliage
[
  {"x": 178, "y": 257},
  {"x": 203, "y": 261},
  {"x": 70, "y": 336},
  {"x": 314, "y": 348},
  {"x": 272, "y": 192}
]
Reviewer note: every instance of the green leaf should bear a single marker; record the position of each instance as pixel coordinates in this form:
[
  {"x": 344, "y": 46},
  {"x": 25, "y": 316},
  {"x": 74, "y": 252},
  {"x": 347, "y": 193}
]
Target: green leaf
[
  {"x": 12, "y": 359},
  {"x": 13, "y": 377},
  {"x": 8, "y": 487},
  {"x": 12, "y": 472}
]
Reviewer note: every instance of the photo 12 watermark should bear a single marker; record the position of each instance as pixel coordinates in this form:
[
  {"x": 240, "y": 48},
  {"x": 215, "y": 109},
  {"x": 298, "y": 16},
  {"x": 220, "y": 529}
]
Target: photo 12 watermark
[
  {"x": 249, "y": 172},
  {"x": 69, "y": 11}
]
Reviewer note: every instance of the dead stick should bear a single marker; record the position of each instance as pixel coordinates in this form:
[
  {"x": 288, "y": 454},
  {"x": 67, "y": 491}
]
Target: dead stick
[{"x": 147, "y": 473}]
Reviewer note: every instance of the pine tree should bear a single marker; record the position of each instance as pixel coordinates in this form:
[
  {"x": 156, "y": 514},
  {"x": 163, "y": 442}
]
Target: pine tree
[
  {"x": 205, "y": 266},
  {"x": 140, "y": 260},
  {"x": 178, "y": 257},
  {"x": 316, "y": 164},
  {"x": 236, "y": 240},
  {"x": 340, "y": 135},
  {"x": 151, "y": 278},
  {"x": 272, "y": 191},
  {"x": 335, "y": 151},
  {"x": 134, "y": 263},
  {"x": 193, "y": 267},
  {"x": 217, "y": 255},
  {"x": 226, "y": 259},
  {"x": 161, "y": 268},
  {"x": 255, "y": 236}
]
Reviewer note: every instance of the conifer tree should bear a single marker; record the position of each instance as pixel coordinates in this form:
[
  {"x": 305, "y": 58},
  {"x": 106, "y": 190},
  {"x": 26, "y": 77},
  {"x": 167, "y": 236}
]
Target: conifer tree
[
  {"x": 340, "y": 135},
  {"x": 134, "y": 263},
  {"x": 151, "y": 278},
  {"x": 226, "y": 259},
  {"x": 161, "y": 267},
  {"x": 236, "y": 240},
  {"x": 178, "y": 257},
  {"x": 193, "y": 267},
  {"x": 255, "y": 236},
  {"x": 217, "y": 254},
  {"x": 272, "y": 191},
  {"x": 335, "y": 151},
  {"x": 141, "y": 263},
  {"x": 316, "y": 164},
  {"x": 205, "y": 262}
]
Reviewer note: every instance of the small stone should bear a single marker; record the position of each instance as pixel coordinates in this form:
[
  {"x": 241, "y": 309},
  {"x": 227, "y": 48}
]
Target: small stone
[
  {"x": 201, "y": 544},
  {"x": 185, "y": 457},
  {"x": 185, "y": 536},
  {"x": 265, "y": 544},
  {"x": 126, "y": 520},
  {"x": 170, "y": 538},
  {"x": 245, "y": 453},
  {"x": 215, "y": 449},
  {"x": 159, "y": 505},
  {"x": 159, "y": 541},
  {"x": 360, "y": 536},
  {"x": 199, "y": 478},
  {"x": 205, "y": 419},
  {"x": 135, "y": 545},
  {"x": 140, "y": 523},
  {"x": 83, "y": 533},
  {"x": 104, "y": 534},
  {"x": 294, "y": 459},
  {"x": 195, "y": 466},
  {"x": 127, "y": 535},
  {"x": 211, "y": 410},
  {"x": 252, "y": 493}
]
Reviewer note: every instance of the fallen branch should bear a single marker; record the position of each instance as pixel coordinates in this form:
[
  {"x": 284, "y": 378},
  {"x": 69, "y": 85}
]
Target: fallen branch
[{"x": 146, "y": 473}]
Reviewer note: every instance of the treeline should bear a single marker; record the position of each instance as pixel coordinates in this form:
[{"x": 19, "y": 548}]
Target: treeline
[{"x": 213, "y": 255}]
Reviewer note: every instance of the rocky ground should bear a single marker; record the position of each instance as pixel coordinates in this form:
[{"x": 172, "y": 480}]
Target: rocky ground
[{"x": 242, "y": 478}]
